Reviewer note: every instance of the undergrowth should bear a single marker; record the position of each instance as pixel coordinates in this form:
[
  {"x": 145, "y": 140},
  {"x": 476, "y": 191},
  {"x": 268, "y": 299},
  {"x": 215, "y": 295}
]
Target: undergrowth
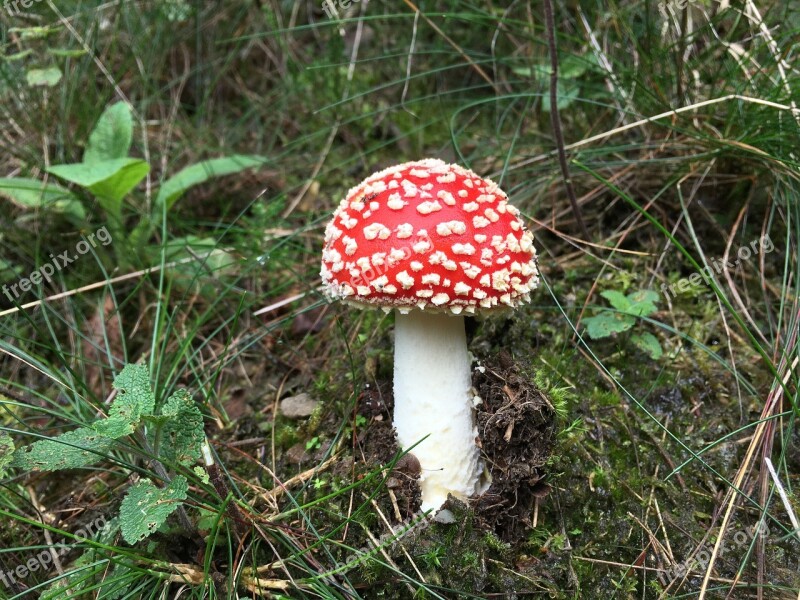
[{"x": 670, "y": 352}]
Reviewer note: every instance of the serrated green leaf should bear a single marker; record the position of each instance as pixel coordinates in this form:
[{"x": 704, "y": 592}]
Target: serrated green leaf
[
  {"x": 111, "y": 137},
  {"x": 108, "y": 180},
  {"x": 617, "y": 299},
  {"x": 146, "y": 507},
  {"x": 33, "y": 194},
  {"x": 115, "y": 427},
  {"x": 649, "y": 344},
  {"x": 134, "y": 400},
  {"x": 201, "y": 474},
  {"x": 642, "y": 303},
  {"x": 134, "y": 381},
  {"x": 78, "y": 448},
  {"x": 182, "y": 433},
  {"x": 6, "y": 452},
  {"x": 174, "y": 187},
  {"x": 43, "y": 77},
  {"x": 607, "y": 323}
]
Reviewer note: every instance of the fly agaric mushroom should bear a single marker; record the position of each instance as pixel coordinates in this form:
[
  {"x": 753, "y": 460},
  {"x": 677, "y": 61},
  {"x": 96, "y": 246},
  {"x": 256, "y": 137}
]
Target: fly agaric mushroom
[{"x": 433, "y": 242}]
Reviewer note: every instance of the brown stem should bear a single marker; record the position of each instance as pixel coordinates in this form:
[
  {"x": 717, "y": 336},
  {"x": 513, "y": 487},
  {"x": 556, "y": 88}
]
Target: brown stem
[
  {"x": 555, "y": 118},
  {"x": 218, "y": 481}
]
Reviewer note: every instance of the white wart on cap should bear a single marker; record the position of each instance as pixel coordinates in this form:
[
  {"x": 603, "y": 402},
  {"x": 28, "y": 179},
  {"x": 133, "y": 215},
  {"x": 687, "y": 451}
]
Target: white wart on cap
[{"x": 432, "y": 236}]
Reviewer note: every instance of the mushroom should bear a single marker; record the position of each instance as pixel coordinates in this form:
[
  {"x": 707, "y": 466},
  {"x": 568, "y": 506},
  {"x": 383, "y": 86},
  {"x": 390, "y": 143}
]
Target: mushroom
[{"x": 434, "y": 242}]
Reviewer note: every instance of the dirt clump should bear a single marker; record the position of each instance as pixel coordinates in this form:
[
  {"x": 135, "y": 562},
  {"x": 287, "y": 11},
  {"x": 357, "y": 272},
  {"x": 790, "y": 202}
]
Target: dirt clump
[
  {"x": 378, "y": 447},
  {"x": 516, "y": 427}
]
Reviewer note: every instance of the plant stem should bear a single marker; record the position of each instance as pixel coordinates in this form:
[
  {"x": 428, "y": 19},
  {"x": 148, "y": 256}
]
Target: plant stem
[
  {"x": 162, "y": 473},
  {"x": 555, "y": 117},
  {"x": 221, "y": 486}
]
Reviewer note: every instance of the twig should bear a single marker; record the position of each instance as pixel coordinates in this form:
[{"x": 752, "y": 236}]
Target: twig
[
  {"x": 773, "y": 399},
  {"x": 669, "y": 113},
  {"x": 555, "y": 117},
  {"x": 41, "y": 510},
  {"x": 284, "y": 302},
  {"x": 335, "y": 129},
  {"x": 218, "y": 481},
  {"x": 784, "y": 497},
  {"x": 99, "y": 284},
  {"x": 299, "y": 478},
  {"x": 455, "y": 46}
]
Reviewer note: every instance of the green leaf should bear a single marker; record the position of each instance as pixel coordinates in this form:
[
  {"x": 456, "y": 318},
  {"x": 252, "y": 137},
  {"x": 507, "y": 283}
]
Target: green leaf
[
  {"x": 17, "y": 55},
  {"x": 32, "y": 193},
  {"x": 208, "y": 519},
  {"x": 648, "y": 343},
  {"x": 6, "y": 452},
  {"x": 111, "y": 137},
  {"x": 146, "y": 507},
  {"x": 32, "y": 33},
  {"x": 201, "y": 474},
  {"x": 572, "y": 67},
  {"x": 134, "y": 382},
  {"x": 43, "y": 77},
  {"x": 182, "y": 434},
  {"x": 134, "y": 400},
  {"x": 607, "y": 323},
  {"x": 66, "y": 52},
  {"x": 617, "y": 300},
  {"x": 174, "y": 187},
  {"x": 108, "y": 180},
  {"x": 9, "y": 270},
  {"x": 642, "y": 303},
  {"x": 115, "y": 426},
  {"x": 566, "y": 92},
  {"x": 204, "y": 251},
  {"x": 70, "y": 450}
]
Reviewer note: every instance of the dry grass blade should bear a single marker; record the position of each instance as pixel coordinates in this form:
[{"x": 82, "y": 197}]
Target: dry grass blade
[{"x": 770, "y": 406}]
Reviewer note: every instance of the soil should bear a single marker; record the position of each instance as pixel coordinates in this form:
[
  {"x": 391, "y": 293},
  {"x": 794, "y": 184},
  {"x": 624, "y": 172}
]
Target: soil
[
  {"x": 378, "y": 447},
  {"x": 516, "y": 432},
  {"x": 516, "y": 427}
]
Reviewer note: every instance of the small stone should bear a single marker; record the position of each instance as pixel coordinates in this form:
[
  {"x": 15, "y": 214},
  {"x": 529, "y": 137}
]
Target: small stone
[
  {"x": 298, "y": 407},
  {"x": 445, "y": 517},
  {"x": 297, "y": 454}
]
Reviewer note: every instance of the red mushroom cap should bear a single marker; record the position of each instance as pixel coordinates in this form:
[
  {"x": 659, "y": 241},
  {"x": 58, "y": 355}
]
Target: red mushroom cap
[{"x": 428, "y": 235}]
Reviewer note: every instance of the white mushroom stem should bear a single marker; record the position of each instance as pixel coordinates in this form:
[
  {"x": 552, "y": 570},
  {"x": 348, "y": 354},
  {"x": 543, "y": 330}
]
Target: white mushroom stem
[{"x": 432, "y": 383}]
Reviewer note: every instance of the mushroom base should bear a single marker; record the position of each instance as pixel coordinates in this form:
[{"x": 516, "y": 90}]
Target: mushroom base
[{"x": 433, "y": 407}]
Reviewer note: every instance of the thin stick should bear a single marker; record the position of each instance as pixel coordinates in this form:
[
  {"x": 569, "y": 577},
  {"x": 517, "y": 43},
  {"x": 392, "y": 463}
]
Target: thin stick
[
  {"x": 99, "y": 284},
  {"x": 669, "y": 113},
  {"x": 784, "y": 497},
  {"x": 237, "y": 519},
  {"x": 283, "y": 302},
  {"x": 455, "y": 46},
  {"x": 772, "y": 400},
  {"x": 335, "y": 129},
  {"x": 555, "y": 117}
]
